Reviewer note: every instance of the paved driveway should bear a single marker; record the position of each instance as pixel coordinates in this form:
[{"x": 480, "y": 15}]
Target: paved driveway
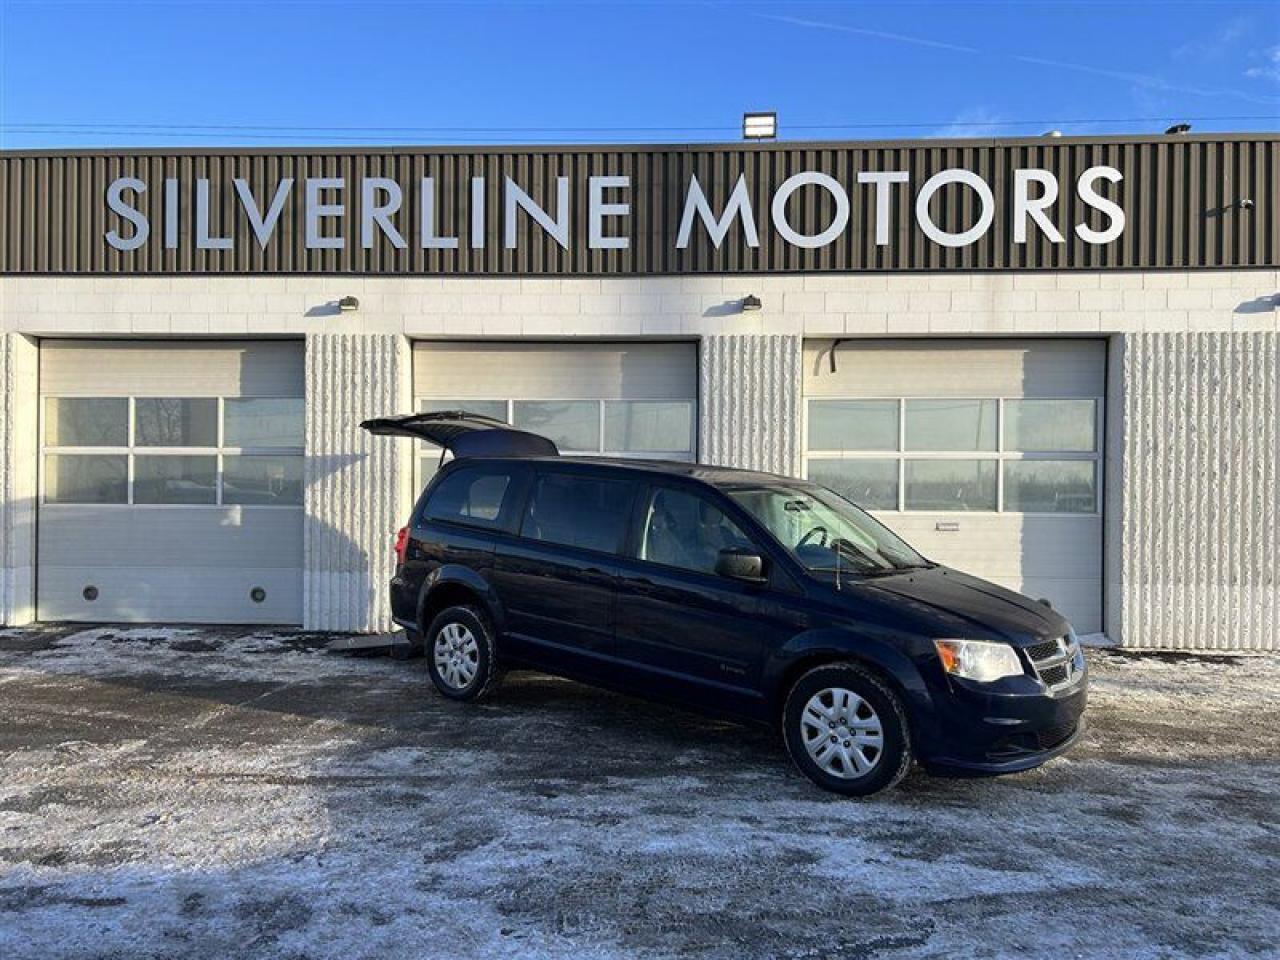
[{"x": 194, "y": 793}]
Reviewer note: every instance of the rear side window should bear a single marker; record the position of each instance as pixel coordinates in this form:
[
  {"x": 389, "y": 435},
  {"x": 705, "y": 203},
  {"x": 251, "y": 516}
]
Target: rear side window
[
  {"x": 585, "y": 512},
  {"x": 474, "y": 496}
]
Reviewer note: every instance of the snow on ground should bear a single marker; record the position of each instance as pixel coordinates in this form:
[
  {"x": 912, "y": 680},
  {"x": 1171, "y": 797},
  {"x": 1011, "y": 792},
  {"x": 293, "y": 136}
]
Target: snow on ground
[{"x": 196, "y": 792}]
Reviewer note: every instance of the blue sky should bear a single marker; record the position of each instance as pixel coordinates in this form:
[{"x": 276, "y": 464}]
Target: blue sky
[{"x": 147, "y": 72}]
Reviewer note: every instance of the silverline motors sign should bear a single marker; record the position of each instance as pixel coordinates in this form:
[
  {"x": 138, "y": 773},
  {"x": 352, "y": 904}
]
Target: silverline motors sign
[
  {"x": 1068, "y": 203},
  {"x": 380, "y": 204}
]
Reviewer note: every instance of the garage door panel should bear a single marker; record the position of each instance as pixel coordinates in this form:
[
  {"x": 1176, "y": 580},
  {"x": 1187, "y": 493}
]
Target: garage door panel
[
  {"x": 959, "y": 368},
  {"x": 171, "y": 368},
  {"x": 200, "y": 557},
  {"x": 191, "y": 594},
  {"x": 211, "y": 537},
  {"x": 1033, "y": 546},
  {"x": 864, "y": 447},
  {"x": 555, "y": 371}
]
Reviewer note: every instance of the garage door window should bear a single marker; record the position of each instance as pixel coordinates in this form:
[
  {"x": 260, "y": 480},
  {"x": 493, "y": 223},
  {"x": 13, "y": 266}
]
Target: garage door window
[
  {"x": 173, "y": 450},
  {"x": 980, "y": 454},
  {"x": 654, "y": 429}
]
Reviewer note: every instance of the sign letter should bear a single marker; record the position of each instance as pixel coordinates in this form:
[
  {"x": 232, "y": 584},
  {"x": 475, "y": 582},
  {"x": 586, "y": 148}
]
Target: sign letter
[{"x": 141, "y": 227}]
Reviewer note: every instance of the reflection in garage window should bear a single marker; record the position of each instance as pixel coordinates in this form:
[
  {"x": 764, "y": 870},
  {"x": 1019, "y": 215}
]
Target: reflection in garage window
[
  {"x": 262, "y": 422},
  {"x": 166, "y": 450},
  {"x": 1017, "y": 455},
  {"x": 175, "y": 422},
  {"x": 649, "y": 427},
  {"x": 573, "y": 425},
  {"x": 175, "y": 479},
  {"x": 262, "y": 480},
  {"x": 963, "y": 485},
  {"x": 86, "y": 421},
  {"x": 86, "y": 478},
  {"x": 871, "y": 484},
  {"x": 1050, "y": 486}
]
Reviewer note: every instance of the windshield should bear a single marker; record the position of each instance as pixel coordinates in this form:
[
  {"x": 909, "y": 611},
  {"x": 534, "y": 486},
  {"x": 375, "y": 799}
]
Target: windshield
[{"x": 824, "y": 531}]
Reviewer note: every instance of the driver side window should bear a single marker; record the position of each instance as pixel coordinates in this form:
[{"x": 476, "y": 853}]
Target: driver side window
[{"x": 686, "y": 531}]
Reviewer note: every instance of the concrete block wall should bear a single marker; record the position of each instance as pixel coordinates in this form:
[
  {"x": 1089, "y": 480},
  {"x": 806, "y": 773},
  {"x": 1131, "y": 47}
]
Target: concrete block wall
[
  {"x": 19, "y": 368},
  {"x": 1196, "y": 543},
  {"x": 356, "y": 485},
  {"x": 951, "y": 304}
]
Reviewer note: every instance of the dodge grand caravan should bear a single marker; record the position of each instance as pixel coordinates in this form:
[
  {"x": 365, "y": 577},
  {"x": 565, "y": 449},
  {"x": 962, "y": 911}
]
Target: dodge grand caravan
[{"x": 760, "y": 597}]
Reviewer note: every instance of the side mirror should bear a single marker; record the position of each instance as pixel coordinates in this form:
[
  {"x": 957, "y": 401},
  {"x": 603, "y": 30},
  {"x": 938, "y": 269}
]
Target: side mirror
[{"x": 741, "y": 563}]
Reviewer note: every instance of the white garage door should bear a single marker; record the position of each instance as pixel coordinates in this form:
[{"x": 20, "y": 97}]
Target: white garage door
[
  {"x": 596, "y": 399},
  {"x": 985, "y": 455},
  {"x": 171, "y": 481}
]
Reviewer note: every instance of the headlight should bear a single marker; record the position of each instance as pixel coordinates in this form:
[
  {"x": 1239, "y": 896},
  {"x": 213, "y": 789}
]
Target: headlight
[{"x": 978, "y": 659}]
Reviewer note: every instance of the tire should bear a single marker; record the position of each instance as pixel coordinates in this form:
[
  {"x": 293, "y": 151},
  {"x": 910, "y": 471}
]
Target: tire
[
  {"x": 462, "y": 657},
  {"x": 872, "y": 734}
]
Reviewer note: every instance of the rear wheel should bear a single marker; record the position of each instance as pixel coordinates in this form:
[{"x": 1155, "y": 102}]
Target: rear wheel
[
  {"x": 461, "y": 657},
  {"x": 846, "y": 730}
]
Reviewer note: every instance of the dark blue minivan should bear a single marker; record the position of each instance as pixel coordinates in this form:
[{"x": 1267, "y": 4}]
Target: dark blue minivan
[{"x": 750, "y": 595}]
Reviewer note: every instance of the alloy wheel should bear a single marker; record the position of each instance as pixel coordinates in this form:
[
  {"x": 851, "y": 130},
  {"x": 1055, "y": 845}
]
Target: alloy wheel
[
  {"x": 456, "y": 655},
  {"x": 842, "y": 733}
]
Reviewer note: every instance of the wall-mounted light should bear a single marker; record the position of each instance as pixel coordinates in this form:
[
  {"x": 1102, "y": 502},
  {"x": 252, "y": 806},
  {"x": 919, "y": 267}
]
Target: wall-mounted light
[
  {"x": 1244, "y": 203},
  {"x": 1178, "y": 128},
  {"x": 750, "y": 302},
  {"x": 760, "y": 126},
  {"x": 348, "y": 303}
]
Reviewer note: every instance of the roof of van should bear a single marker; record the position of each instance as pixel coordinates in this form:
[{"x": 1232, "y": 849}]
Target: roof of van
[{"x": 672, "y": 468}]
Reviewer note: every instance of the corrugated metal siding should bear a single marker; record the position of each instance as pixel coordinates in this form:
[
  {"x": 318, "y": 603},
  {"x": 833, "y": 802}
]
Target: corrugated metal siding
[
  {"x": 355, "y": 493},
  {"x": 1200, "y": 562},
  {"x": 1178, "y": 195},
  {"x": 749, "y": 394}
]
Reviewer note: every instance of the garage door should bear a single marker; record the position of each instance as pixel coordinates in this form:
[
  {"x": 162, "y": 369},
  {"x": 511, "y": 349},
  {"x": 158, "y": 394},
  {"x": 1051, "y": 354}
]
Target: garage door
[
  {"x": 985, "y": 455},
  {"x": 171, "y": 481},
  {"x": 595, "y": 399}
]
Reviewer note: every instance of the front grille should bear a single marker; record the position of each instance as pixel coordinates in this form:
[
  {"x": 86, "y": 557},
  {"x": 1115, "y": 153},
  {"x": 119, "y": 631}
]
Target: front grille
[
  {"x": 1054, "y": 676},
  {"x": 1054, "y": 736},
  {"x": 1043, "y": 651},
  {"x": 1058, "y": 662}
]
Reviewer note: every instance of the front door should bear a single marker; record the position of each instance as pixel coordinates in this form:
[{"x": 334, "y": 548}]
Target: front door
[
  {"x": 556, "y": 580},
  {"x": 682, "y": 629}
]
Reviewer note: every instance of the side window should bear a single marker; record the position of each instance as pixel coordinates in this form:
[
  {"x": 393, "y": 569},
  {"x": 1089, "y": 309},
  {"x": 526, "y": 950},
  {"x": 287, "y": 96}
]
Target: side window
[
  {"x": 585, "y": 512},
  {"x": 473, "y": 496},
  {"x": 687, "y": 531}
]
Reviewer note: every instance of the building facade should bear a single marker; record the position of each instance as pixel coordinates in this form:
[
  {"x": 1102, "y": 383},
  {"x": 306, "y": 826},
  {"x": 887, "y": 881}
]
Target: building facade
[{"x": 1054, "y": 363}]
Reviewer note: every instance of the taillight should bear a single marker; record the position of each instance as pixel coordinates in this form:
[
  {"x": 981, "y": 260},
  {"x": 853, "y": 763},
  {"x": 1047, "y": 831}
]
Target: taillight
[{"x": 402, "y": 544}]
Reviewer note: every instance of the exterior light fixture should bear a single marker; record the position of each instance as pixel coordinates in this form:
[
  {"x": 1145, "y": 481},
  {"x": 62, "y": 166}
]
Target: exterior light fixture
[
  {"x": 347, "y": 304},
  {"x": 760, "y": 126},
  {"x": 1052, "y": 133},
  {"x": 1244, "y": 203},
  {"x": 750, "y": 302},
  {"x": 1178, "y": 128}
]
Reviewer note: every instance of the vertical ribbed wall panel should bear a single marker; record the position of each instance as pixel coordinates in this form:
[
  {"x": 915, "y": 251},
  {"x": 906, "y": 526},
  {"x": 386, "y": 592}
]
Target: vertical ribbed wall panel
[
  {"x": 1200, "y": 565},
  {"x": 19, "y": 359},
  {"x": 6, "y": 476},
  {"x": 749, "y": 389},
  {"x": 355, "y": 492}
]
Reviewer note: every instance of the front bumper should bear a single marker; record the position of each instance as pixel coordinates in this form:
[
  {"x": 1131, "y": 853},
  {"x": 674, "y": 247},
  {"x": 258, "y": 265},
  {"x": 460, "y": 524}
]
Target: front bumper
[{"x": 976, "y": 732}]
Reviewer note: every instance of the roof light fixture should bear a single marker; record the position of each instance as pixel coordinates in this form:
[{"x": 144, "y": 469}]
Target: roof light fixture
[
  {"x": 1178, "y": 128},
  {"x": 760, "y": 126}
]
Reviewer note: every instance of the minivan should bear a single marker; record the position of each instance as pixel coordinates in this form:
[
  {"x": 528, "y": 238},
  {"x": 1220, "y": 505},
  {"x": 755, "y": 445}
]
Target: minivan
[{"x": 747, "y": 595}]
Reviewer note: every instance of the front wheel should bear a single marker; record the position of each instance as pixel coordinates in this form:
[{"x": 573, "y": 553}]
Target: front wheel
[
  {"x": 846, "y": 730},
  {"x": 461, "y": 656}
]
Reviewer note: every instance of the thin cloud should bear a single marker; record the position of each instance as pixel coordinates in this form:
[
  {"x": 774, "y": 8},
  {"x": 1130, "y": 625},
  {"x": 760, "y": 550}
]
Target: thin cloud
[
  {"x": 859, "y": 31},
  {"x": 1216, "y": 45},
  {"x": 1143, "y": 80},
  {"x": 1270, "y": 70}
]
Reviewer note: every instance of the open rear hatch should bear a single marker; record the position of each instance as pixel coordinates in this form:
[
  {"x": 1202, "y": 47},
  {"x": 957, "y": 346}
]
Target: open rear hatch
[{"x": 463, "y": 434}]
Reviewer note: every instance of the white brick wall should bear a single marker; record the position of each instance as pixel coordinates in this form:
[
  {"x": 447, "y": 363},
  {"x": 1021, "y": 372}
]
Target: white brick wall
[
  {"x": 817, "y": 305},
  {"x": 18, "y": 406}
]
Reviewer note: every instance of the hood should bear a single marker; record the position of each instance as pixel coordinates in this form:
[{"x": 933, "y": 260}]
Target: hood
[{"x": 949, "y": 601}]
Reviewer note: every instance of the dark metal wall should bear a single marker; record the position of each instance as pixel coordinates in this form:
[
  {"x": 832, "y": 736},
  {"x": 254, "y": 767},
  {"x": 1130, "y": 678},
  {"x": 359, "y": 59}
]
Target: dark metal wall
[{"x": 1179, "y": 194}]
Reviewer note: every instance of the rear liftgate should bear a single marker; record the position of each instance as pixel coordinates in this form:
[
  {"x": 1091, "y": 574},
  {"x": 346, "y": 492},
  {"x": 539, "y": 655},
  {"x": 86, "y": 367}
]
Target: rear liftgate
[{"x": 461, "y": 435}]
